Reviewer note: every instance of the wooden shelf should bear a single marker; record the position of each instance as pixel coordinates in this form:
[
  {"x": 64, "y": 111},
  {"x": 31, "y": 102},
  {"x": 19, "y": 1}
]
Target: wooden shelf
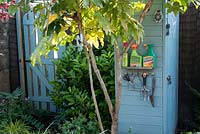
[{"x": 138, "y": 68}]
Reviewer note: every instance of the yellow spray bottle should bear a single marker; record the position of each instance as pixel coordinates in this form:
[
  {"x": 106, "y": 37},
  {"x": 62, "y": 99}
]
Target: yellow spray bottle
[{"x": 136, "y": 59}]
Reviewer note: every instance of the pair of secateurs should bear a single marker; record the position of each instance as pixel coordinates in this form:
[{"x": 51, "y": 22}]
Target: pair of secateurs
[
  {"x": 131, "y": 79},
  {"x": 145, "y": 91}
]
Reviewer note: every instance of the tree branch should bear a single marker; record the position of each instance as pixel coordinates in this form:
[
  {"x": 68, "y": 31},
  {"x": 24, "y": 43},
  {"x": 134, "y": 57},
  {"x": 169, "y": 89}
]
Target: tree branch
[
  {"x": 95, "y": 68},
  {"x": 92, "y": 90},
  {"x": 141, "y": 19}
]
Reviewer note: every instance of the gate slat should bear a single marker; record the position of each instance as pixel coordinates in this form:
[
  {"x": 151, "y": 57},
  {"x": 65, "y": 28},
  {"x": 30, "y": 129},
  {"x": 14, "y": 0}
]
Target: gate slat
[
  {"x": 43, "y": 88},
  {"x": 43, "y": 79},
  {"x": 28, "y": 72},
  {"x": 35, "y": 77},
  {"x": 42, "y": 70}
]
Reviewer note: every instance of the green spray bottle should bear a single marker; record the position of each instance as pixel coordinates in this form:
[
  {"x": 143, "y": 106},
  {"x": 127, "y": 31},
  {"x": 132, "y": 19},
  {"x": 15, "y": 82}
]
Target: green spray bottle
[
  {"x": 136, "y": 59},
  {"x": 125, "y": 56},
  {"x": 149, "y": 60}
]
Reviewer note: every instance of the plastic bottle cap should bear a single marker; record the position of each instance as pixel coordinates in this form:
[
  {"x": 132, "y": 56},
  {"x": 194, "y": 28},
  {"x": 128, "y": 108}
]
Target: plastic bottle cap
[{"x": 134, "y": 46}]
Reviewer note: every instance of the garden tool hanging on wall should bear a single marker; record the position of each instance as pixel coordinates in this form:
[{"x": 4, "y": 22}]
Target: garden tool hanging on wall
[
  {"x": 133, "y": 80},
  {"x": 127, "y": 78},
  {"x": 153, "y": 89},
  {"x": 145, "y": 91}
]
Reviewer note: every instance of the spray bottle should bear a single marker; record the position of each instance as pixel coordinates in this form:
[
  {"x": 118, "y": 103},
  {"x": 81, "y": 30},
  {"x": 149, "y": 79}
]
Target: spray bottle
[
  {"x": 136, "y": 59},
  {"x": 149, "y": 60}
]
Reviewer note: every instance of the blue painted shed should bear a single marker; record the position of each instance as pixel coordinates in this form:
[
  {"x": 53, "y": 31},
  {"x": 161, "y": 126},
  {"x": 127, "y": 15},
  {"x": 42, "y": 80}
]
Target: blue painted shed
[{"x": 136, "y": 115}]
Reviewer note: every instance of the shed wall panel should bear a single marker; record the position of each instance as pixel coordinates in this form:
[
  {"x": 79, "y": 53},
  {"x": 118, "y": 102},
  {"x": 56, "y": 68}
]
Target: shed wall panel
[{"x": 136, "y": 114}]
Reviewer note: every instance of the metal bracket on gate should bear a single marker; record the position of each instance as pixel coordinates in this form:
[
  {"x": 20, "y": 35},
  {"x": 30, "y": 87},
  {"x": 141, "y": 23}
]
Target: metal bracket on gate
[
  {"x": 28, "y": 61},
  {"x": 169, "y": 79}
]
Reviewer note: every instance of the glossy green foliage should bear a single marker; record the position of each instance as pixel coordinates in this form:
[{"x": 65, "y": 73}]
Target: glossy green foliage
[
  {"x": 80, "y": 125},
  {"x": 72, "y": 88}
]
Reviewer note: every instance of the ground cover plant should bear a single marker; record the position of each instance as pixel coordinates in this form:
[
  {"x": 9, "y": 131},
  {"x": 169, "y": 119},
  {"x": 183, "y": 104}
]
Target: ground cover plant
[{"x": 18, "y": 115}]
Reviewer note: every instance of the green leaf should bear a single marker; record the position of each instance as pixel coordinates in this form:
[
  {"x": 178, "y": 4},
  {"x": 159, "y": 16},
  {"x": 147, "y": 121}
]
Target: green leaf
[
  {"x": 43, "y": 48},
  {"x": 97, "y": 3},
  {"x": 26, "y": 8},
  {"x": 12, "y": 9},
  {"x": 86, "y": 3},
  {"x": 38, "y": 7}
]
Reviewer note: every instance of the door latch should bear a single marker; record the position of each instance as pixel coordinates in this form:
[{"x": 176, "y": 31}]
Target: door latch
[
  {"x": 167, "y": 29},
  {"x": 169, "y": 79}
]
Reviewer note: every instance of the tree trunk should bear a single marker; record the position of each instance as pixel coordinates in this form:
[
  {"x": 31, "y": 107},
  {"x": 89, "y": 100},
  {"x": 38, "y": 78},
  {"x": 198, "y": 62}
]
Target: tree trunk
[
  {"x": 119, "y": 80},
  {"x": 94, "y": 65},
  {"x": 102, "y": 83},
  {"x": 93, "y": 92},
  {"x": 114, "y": 126}
]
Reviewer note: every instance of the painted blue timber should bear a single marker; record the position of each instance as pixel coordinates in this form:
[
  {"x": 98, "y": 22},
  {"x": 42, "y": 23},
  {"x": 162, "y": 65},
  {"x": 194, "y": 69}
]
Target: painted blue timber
[
  {"x": 136, "y": 115},
  {"x": 171, "y": 69},
  {"x": 38, "y": 76},
  {"x": 19, "y": 37}
]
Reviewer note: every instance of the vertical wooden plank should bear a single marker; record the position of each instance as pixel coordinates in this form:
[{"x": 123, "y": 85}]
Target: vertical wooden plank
[
  {"x": 51, "y": 75},
  {"x": 26, "y": 45},
  {"x": 52, "y": 107},
  {"x": 33, "y": 44},
  {"x": 43, "y": 88},
  {"x": 171, "y": 66},
  {"x": 38, "y": 35},
  {"x": 61, "y": 50},
  {"x": 19, "y": 37},
  {"x": 21, "y": 51},
  {"x": 31, "y": 82}
]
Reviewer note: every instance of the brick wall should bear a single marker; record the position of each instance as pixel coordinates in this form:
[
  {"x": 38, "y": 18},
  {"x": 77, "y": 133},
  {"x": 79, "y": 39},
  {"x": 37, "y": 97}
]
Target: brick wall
[
  {"x": 13, "y": 50},
  {"x": 4, "y": 58},
  {"x": 9, "y": 76}
]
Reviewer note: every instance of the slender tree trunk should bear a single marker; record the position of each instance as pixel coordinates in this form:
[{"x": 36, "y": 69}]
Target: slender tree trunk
[
  {"x": 94, "y": 65},
  {"x": 102, "y": 83},
  {"x": 96, "y": 70},
  {"x": 114, "y": 112},
  {"x": 119, "y": 79},
  {"x": 93, "y": 92},
  {"x": 114, "y": 126}
]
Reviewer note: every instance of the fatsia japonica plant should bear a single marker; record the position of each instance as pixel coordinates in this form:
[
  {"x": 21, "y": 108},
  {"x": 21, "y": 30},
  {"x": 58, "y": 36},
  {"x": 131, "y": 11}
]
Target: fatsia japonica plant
[{"x": 62, "y": 20}]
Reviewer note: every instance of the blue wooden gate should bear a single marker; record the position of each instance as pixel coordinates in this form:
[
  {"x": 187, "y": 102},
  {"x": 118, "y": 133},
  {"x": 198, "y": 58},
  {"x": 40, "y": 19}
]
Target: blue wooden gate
[{"x": 38, "y": 76}]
